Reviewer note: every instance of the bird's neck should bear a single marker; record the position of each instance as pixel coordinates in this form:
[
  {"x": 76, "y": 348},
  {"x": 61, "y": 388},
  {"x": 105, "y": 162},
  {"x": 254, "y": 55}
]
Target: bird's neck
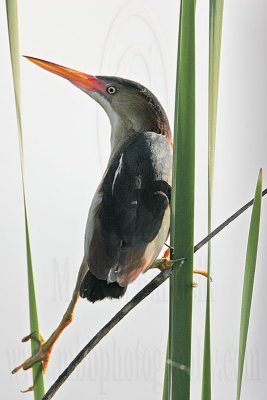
[
  {"x": 123, "y": 130},
  {"x": 121, "y": 134}
]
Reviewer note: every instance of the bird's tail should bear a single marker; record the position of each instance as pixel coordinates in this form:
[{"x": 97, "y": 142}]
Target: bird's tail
[{"x": 96, "y": 289}]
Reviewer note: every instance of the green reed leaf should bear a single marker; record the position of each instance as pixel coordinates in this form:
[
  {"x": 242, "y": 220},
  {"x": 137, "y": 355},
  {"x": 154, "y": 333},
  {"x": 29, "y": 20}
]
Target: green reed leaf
[
  {"x": 12, "y": 18},
  {"x": 250, "y": 266},
  {"x": 215, "y": 34},
  {"x": 177, "y": 372}
]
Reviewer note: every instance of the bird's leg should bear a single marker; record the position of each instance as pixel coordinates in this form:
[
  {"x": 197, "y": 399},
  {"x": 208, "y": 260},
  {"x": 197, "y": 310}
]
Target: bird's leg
[{"x": 45, "y": 350}]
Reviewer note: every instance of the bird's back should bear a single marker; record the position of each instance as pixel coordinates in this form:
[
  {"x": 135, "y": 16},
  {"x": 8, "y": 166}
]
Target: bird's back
[{"x": 125, "y": 229}]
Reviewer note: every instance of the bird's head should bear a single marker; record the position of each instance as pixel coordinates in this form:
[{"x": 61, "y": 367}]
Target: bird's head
[{"x": 130, "y": 106}]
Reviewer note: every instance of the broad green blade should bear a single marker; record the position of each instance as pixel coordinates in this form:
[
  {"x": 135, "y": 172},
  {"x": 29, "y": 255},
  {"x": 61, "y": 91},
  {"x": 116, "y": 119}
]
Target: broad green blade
[
  {"x": 166, "y": 382},
  {"x": 250, "y": 265},
  {"x": 177, "y": 373},
  {"x": 215, "y": 34},
  {"x": 12, "y": 18}
]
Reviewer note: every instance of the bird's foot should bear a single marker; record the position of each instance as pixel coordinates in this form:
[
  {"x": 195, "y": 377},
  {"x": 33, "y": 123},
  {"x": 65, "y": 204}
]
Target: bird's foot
[
  {"x": 165, "y": 262},
  {"x": 162, "y": 264},
  {"x": 203, "y": 273},
  {"x": 45, "y": 347},
  {"x": 43, "y": 355}
]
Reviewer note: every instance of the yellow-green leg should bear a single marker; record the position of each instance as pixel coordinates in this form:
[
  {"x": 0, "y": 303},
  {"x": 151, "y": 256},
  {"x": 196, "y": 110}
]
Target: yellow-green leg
[{"x": 46, "y": 347}]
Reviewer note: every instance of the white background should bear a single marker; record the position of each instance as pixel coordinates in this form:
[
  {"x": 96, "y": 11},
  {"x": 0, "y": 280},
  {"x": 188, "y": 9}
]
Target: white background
[{"x": 66, "y": 139}]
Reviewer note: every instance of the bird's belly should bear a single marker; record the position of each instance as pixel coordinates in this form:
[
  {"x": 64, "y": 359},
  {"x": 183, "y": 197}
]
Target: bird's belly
[
  {"x": 155, "y": 247},
  {"x": 141, "y": 261}
]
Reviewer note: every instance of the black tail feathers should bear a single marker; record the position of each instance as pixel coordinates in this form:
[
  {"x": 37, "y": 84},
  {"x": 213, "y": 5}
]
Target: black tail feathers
[{"x": 96, "y": 289}]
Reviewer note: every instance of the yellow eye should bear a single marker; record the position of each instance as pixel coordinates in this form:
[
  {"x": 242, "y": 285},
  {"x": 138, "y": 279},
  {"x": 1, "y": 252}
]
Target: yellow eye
[{"x": 111, "y": 90}]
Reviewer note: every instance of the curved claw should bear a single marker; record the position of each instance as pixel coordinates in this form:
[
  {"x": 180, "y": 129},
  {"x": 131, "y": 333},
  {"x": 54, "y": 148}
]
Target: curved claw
[
  {"x": 28, "y": 337},
  {"x": 30, "y": 389},
  {"x": 41, "y": 356}
]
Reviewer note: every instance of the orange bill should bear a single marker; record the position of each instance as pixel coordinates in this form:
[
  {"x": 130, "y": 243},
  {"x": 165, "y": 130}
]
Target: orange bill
[{"x": 80, "y": 79}]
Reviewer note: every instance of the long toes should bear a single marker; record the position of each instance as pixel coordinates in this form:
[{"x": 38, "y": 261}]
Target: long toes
[
  {"x": 38, "y": 357},
  {"x": 34, "y": 336},
  {"x": 30, "y": 389},
  {"x": 203, "y": 273},
  {"x": 28, "y": 337},
  {"x": 22, "y": 366},
  {"x": 16, "y": 369}
]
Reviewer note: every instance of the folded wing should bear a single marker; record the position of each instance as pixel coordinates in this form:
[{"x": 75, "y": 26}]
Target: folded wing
[{"x": 135, "y": 196}]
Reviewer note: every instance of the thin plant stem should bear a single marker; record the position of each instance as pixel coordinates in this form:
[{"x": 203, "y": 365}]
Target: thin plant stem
[{"x": 149, "y": 288}]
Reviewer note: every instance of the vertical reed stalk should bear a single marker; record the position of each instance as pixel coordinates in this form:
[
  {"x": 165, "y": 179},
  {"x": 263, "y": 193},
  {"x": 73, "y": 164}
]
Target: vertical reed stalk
[
  {"x": 12, "y": 18},
  {"x": 215, "y": 34},
  {"x": 177, "y": 374}
]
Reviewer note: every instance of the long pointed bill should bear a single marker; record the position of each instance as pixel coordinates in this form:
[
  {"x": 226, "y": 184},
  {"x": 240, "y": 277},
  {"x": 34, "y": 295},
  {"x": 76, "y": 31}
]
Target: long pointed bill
[{"x": 83, "y": 81}]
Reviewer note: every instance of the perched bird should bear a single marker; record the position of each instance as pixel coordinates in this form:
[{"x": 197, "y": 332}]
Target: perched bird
[{"x": 129, "y": 217}]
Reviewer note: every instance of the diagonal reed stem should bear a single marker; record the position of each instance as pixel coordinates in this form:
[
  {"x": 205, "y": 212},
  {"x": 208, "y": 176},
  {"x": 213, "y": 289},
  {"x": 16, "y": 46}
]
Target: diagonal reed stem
[{"x": 149, "y": 288}]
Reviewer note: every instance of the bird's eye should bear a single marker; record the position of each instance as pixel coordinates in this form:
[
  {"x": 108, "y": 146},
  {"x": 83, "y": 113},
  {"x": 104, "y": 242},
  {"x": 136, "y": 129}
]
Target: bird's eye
[{"x": 111, "y": 90}]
